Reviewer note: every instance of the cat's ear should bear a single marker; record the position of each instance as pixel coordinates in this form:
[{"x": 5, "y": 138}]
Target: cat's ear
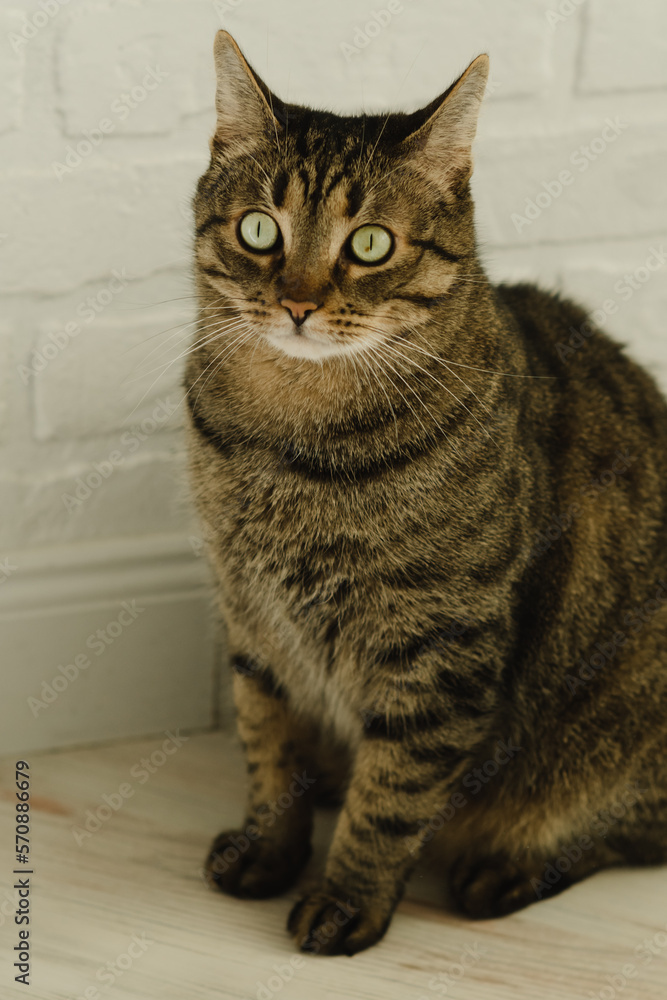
[
  {"x": 244, "y": 104},
  {"x": 444, "y": 141}
]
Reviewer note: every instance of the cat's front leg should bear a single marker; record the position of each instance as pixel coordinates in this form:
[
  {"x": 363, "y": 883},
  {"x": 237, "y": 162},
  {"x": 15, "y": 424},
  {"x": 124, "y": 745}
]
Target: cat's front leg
[
  {"x": 264, "y": 857},
  {"x": 396, "y": 787}
]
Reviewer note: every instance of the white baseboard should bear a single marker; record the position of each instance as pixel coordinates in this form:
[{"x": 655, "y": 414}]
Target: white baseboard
[{"x": 104, "y": 640}]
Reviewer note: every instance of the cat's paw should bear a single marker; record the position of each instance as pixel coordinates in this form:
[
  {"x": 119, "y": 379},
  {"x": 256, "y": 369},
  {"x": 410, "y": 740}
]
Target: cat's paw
[
  {"x": 491, "y": 886},
  {"x": 327, "y": 922},
  {"x": 253, "y": 868}
]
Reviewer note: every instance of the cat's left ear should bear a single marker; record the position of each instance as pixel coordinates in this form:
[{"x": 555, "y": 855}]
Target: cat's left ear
[
  {"x": 444, "y": 141},
  {"x": 246, "y": 108}
]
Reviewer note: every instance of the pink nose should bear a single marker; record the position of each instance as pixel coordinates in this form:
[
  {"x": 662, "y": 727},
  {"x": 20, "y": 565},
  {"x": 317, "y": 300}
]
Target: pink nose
[{"x": 298, "y": 310}]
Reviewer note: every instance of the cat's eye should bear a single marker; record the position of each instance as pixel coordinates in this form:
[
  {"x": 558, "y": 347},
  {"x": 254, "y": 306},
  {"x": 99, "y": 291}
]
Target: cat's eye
[
  {"x": 259, "y": 232},
  {"x": 371, "y": 244}
]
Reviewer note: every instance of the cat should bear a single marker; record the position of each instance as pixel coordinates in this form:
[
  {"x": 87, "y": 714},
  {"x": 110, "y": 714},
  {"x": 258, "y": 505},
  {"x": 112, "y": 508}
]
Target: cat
[{"x": 440, "y": 539}]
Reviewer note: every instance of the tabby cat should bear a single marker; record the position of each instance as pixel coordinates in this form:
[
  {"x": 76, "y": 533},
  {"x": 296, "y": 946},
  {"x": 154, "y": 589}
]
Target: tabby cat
[{"x": 440, "y": 538}]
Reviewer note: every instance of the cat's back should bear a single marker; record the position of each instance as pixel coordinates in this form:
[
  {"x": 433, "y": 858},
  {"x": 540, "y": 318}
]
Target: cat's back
[{"x": 589, "y": 392}]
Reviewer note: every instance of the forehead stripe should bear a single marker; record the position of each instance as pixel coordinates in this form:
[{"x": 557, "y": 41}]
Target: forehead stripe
[{"x": 280, "y": 183}]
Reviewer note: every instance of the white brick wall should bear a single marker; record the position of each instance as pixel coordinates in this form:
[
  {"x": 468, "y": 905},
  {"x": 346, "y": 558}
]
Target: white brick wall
[{"x": 134, "y": 80}]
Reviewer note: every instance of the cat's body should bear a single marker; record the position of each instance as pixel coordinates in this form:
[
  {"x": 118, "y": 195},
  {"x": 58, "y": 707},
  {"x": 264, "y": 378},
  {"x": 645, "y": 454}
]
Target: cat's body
[{"x": 417, "y": 555}]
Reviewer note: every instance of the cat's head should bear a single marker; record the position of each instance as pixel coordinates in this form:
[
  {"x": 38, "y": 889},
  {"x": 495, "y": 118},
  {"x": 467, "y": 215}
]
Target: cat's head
[{"x": 325, "y": 234}]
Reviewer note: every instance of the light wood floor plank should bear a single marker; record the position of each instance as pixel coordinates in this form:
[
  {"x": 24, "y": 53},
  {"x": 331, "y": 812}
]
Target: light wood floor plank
[{"x": 139, "y": 875}]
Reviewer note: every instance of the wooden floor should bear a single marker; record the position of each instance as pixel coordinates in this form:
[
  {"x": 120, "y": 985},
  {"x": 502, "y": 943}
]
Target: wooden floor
[{"x": 138, "y": 877}]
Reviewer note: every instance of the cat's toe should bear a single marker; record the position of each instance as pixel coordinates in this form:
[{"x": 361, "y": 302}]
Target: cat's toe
[
  {"x": 327, "y": 922},
  {"x": 491, "y": 887},
  {"x": 253, "y": 868}
]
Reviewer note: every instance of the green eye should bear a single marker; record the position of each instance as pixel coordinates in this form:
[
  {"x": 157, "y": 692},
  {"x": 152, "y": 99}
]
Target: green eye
[
  {"x": 371, "y": 244},
  {"x": 258, "y": 231}
]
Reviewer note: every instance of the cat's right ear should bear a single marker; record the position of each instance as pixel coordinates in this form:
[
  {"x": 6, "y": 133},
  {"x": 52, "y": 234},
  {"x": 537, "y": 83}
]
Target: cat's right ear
[
  {"x": 444, "y": 142},
  {"x": 244, "y": 104}
]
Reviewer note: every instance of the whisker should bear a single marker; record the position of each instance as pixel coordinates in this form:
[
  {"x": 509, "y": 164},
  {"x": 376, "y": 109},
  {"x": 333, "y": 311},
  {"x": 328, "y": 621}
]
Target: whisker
[
  {"x": 158, "y": 302},
  {"x": 178, "y": 327},
  {"x": 164, "y": 368},
  {"x": 458, "y": 364},
  {"x": 469, "y": 388},
  {"x": 260, "y": 167},
  {"x": 384, "y": 177},
  {"x": 372, "y": 372},
  {"x": 190, "y": 388},
  {"x": 222, "y": 353},
  {"x": 410, "y": 407},
  {"x": 201, "y": 342},
  {"x": 275, "y": 126},
  {"x": 363, "y": 132},
  {"x": 400, "y": 87},
  {"x": 449, "y": 391},
  {"x": 461, "y": 403},
  {"x": 181, "y": 329},
  {"x": 381, "y": 357},
  {"x": 227, "y": 352},
  {"x": 286, "y": 111}
]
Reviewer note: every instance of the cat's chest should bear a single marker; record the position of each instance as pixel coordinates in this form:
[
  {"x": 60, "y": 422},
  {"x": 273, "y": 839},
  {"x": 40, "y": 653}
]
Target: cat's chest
[
  {"x": 308, "y": 638},
  {"x": 300, "y": 536},
  {"x": 292, "y": 566}
]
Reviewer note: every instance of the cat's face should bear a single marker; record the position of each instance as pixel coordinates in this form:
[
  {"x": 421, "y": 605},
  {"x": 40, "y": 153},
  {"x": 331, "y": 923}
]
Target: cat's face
[{"x": 327, "y": 235}]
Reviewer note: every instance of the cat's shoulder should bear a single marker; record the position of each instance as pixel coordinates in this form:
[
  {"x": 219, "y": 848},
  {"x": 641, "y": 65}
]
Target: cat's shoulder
[{"x": 536, "y": 307}]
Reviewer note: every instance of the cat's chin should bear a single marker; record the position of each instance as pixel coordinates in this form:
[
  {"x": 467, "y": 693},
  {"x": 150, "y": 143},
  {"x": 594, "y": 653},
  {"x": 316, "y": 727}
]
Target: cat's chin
[{"x": 305, "y": 347}]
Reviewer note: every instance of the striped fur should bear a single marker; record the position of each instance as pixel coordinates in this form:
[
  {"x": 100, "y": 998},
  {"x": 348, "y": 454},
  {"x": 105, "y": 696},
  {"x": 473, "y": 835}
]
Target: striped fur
[{"x": 383, "y": 522}]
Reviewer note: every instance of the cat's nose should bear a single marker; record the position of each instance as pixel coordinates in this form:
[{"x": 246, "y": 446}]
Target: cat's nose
[{"x": 299, "y": 310}]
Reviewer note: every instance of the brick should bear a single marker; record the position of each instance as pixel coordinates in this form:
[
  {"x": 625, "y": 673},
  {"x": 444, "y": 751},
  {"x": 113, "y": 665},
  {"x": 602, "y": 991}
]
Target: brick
[
  {"x": 102, "y": 215},
  {"x": 104, "y": 51},
  {"x": 625, "y": 46},
  {"x": 633, "y": 297},
  {"x": 89, "y": 383},
  {"x": 12, "y": 67},
  {"x": 406, "y": 64},
  {"x": 596, "y": 276},
  {"x": 621, "y": 191},
  {"x": 143, "y": 496}
]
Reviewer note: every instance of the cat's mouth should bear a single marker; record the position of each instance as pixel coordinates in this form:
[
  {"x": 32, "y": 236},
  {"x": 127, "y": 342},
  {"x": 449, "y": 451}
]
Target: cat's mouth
[{"x": 305, "y": 342}]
